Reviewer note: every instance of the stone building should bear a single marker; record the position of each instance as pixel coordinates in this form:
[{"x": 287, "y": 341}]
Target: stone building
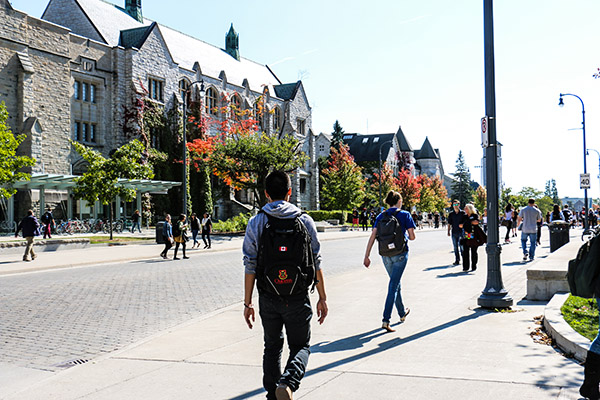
[
  {"x": 76, "y": 72},
  {"x": 385, "y": 147}
]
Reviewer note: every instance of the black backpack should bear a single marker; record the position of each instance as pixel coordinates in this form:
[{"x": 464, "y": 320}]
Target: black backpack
[
  {"x": 584, "y": 270},
  {"x": 390, "y": 235},
  {"x": 175, "y": 229},
  {"x": 285, "y": 264}
]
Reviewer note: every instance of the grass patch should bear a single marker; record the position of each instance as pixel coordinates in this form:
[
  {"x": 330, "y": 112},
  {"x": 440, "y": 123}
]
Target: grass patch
[
  {"x": 582, "y": 315},
  {"x": 118, "y": 239}
]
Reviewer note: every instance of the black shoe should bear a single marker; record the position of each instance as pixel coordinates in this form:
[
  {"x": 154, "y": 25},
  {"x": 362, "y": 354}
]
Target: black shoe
[
  {"x": 176, "y": 258},
  {"x": 474, "y": 267},
  {"x": 206, "y": 246},
  {"x": 457, "y": 262},
  {"x": 465, "y": 269},
  {"x": 185, "y": 257}
]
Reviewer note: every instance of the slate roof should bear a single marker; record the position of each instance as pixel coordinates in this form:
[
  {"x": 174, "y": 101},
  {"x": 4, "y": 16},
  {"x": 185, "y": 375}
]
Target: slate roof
[
  {"x": 426, "y": 152},
  {"x": 135, "y": 37},
  {"x": 402, "y": 141},
  {"x": 186, "y": 50},
  {"x": 287, "y": 91},
  {"x": 366, "y": 147}
]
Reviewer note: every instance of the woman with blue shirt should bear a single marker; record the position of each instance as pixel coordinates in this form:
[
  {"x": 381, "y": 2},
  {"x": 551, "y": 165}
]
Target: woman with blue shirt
[
  {"x": 394, "y": 265},
  {"x": 556, "y": 214}
]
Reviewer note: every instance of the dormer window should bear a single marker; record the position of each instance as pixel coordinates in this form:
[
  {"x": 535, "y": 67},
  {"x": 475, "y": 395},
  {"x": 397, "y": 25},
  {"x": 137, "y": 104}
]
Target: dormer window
[
  {"x": 365, "y": 140},
  {"x": 376, "y": 140}
]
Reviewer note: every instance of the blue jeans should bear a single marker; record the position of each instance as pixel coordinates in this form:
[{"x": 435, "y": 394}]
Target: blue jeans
[
  {"x": 395, "y": 268},
  {"x": 457, "y": 246},
  {"x": 595, "y": 346},
  {"x": 532, "y": 243},
  {"x": 195, "y": 236},
  {"x": 295, "y": 314},
  {"x": 134, "y": 225}
]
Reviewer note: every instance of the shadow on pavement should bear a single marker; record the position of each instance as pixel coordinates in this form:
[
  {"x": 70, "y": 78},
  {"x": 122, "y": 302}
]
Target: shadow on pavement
[
  {"x": 349, "y": 343},
  {"x": 454, "y": 274},
  {"x": 440, "y": 267},
  {"x": 390, "y": 344}
]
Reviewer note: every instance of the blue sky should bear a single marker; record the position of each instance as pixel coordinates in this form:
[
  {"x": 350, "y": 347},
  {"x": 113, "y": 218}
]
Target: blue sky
[{"x": 378, "y": 65}]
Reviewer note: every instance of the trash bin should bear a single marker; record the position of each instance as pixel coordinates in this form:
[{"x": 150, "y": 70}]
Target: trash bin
[
  {"x": 159, "y": 232},
  {"x": 559, "y": 234}
]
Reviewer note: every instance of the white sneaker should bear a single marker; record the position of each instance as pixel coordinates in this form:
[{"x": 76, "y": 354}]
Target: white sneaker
[{"x": 525, "y": 257}]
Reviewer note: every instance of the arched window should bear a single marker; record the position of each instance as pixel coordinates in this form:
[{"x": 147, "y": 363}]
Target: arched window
[
  {"x": 211, "y": 102},
  {"x": 184, "y": 85},
  {"x": 277, "y": 119},
  {"x": 235, "y": 106},
  {"x": 257, "y": 114}
]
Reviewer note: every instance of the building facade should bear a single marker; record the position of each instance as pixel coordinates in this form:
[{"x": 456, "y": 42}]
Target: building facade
[{"x": 77, "y": 72}]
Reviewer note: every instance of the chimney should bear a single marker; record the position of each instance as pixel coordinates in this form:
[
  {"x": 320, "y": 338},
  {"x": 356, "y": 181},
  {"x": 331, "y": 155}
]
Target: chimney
[{"x": 134, "y": 9}]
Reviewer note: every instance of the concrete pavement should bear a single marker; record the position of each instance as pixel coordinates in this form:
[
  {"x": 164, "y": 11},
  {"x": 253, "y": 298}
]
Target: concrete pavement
[{"x": 447, "y": 348}]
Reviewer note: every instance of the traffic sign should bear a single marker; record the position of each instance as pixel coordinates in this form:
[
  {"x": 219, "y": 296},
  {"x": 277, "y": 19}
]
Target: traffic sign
[
  {"x": 484, "y": 132},
  {"x": 584, "y": 181}
]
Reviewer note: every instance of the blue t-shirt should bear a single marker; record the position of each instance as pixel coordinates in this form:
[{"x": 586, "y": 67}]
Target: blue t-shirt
[{"x": 403, "y": 217}]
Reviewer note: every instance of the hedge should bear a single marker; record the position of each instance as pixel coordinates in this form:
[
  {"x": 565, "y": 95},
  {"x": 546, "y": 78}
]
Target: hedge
[{"x": 322, "y": 215}]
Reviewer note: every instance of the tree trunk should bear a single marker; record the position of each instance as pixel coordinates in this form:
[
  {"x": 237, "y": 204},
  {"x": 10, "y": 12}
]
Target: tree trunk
[{"x": 110, "y": 219}]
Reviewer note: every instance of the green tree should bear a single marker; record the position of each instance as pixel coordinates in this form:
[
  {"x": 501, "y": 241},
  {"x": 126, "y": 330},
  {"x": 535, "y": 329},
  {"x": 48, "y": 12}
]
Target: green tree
[
  {"x": 433, "y": 195},
  {"x": 552, "y": 192},
  {"x": 388, "y": 182},
  {"x": 342, "y": 182},
  {"x": 461, "y": 187},
  {"x": 10, "y": 162},
  {"x": 480, "y": 199},
  {"x": 337, "y": 134},
  {"x": 101, "y": 180}
]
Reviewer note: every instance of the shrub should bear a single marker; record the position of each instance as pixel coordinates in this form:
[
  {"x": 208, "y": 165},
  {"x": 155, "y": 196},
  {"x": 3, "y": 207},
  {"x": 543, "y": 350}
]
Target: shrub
[
  {"x": 323, "y": 215},
  {"x": 233, "y": 224}
]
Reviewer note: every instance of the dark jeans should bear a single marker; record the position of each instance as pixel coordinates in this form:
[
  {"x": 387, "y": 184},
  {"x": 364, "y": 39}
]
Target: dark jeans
[
  {"x": 508, "y": 228},
  {"x": 295, "y": 314},
  {"x": 177, "y": 248},
  {"x": 205, "y": 237},
  {"x": 473, "y": 255},
  {"x": 456, "y": 243},
  {"x": 195, "y": 236},
  {"x": 168, "y": 245}
]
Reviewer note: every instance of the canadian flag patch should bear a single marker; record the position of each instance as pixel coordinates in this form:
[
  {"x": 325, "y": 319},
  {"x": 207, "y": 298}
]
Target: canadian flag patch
[{"x": 282, "y": 248}]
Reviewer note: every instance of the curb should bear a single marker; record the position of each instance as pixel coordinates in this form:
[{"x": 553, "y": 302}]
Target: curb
[{"x": 566, "y": 338}]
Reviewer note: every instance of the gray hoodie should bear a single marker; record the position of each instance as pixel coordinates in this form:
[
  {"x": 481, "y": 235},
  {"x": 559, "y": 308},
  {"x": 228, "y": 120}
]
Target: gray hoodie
[{"x": 279, "y": 209}]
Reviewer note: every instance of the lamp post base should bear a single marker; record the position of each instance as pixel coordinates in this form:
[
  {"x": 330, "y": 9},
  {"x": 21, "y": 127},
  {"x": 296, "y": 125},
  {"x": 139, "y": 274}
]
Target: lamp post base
[{"x": 499, "y": 299}]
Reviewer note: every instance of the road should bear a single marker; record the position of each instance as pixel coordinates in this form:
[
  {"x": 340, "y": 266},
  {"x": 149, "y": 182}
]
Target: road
[{"x": 54, "y": 319}]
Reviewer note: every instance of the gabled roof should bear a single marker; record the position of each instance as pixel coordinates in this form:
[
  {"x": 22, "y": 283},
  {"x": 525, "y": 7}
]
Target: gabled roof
[
  {"x": 402, "y": 141},
  {"x": 135, "y": 37},
  {"x": 426, "y": 152},
  {"x": 109, "y": 20},
  {"x": 366, "y": 147},
  {"x": 287, "y": 91},
  {"x": 5, "y": 4}
]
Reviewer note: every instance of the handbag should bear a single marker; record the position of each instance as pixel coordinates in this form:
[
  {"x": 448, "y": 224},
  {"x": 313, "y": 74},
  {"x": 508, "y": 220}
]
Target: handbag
[
  {"x": 178, "y": 239},
  {"x": 480, "y": 236}
]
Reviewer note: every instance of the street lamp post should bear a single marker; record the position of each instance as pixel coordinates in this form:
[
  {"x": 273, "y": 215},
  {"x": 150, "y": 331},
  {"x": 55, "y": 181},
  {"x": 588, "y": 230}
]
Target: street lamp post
[
  {"x": 185, "y": 151},
  {"x": 380, "y": 147},
  {"x": 494, "y": 295},
  {"x": 598, "y": 153},
  {"x": 586, "y": 221}
]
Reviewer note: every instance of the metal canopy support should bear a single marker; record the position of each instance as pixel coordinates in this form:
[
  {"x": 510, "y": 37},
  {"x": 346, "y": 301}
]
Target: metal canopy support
[
  {"x": 139, "y": 201},
  {"x": 11, "y": 208},
  {"x": 42, "y": 201},
  {"x": 118, "y": 207},
  {"x": 69, "y": 205}
]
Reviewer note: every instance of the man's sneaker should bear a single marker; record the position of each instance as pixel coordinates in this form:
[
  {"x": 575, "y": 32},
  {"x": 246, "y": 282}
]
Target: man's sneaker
[
  {"x": 525, "y": 257},
  {"x": 387, "y": 327},
  {"x": 457, "y": 262},
  {"x": 406, "y": 312},
  {"x": 283, "y": 392}
]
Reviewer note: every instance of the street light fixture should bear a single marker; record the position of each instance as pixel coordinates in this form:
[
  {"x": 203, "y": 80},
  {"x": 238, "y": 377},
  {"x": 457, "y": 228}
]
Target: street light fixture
[
  {"x": 586, "y": 221},
  {"x": 380, "y": 147},
  {"x": 185, "y": 93}
]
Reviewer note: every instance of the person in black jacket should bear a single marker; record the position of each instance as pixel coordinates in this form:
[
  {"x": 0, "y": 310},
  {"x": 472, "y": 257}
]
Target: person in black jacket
[
  {"x": 195, "y": 227},
  {"x": 30, "y": 227}
]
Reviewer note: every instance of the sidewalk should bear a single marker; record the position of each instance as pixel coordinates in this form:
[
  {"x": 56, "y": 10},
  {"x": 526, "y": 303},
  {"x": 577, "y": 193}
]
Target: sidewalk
[{"x": 447, "y": 348}]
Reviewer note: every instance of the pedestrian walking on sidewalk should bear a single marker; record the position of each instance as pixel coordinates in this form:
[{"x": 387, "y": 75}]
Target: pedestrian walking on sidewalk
[
  {"x": 469, "y": 225},
  {"x": 180, "y": 235},
  {"x": 31, "y": 228},
  {"x": 206, "y": 230},
  {"x": 455, "y": 218},
  {"x": 391, "y": 229},
  {"x": 529, "y": 216},
  {"x": 364, "y": 219},
  {"x": 135, "y": 222},
  {"x": 167, "y": 236},
  {"x": 195, "y": 228},
  {"x": 556, "y": 215},
  {"x": 268, "y": 256},
  {"x": 508, "y": 217},
  {"x": 48, "y": 221}
]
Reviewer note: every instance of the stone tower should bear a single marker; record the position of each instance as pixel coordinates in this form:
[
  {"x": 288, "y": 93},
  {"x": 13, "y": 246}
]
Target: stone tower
[
  {"x": 232, "y": 43},
  {"x": 134, "y": 8}
]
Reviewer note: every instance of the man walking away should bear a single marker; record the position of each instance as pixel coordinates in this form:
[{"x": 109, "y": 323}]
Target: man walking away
[
  {"x": 48, "y": 221},
  {"x": 266, "y": 251},
  {"x": 30, "y": 227},
  {"x": 567, "y": 214},
  {"x": 167, "y": 236},
  {"x": 455, "y": 220},
  {"x": 135, "y": 221},
  {"x": 529, "y": 216}
]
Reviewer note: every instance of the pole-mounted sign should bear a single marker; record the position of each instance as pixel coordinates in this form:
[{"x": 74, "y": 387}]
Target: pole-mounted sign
[
  {"x": 485, "y": 142},
  {"x": 584, "y": 181}
]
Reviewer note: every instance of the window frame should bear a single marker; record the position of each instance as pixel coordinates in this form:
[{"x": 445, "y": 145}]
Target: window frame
[
  {"x": 156, "y": 88},
  {"x": 211, "y": 102}
]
